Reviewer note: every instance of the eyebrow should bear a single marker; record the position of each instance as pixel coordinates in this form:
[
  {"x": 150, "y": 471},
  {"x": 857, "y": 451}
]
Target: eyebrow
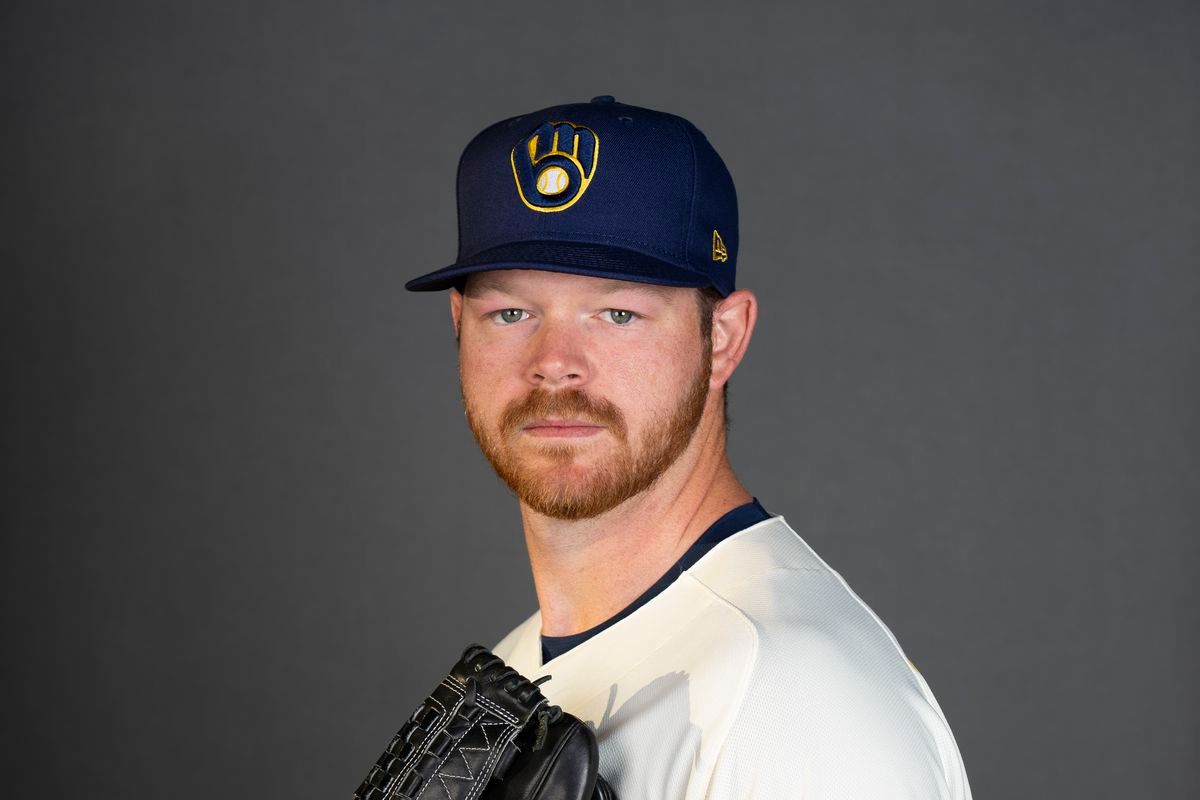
[
  {"x": 485, "y": 283},
  {"x": 612, "y": 287}
]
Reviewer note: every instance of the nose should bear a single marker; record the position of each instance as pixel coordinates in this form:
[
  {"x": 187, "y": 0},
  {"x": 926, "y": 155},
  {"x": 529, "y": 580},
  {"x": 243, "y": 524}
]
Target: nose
[{"x": 557, "y": 359}]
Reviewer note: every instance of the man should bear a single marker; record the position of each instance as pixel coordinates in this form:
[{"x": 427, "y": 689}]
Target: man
[{"x": 715, "y": 654}]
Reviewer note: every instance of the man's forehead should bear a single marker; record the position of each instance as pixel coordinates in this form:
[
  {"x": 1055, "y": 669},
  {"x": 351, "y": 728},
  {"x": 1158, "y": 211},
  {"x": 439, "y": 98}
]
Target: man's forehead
[{"x": 512, "y": 280}]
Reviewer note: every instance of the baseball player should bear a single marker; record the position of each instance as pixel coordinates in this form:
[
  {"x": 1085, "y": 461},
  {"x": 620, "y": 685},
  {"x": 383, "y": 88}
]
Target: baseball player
[{"x": 714, "y": 654}]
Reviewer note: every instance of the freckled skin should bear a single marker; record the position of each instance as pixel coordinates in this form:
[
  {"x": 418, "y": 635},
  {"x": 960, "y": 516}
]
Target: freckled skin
[
  {"x": 604, "y": 352},
  {"x": 546, "y": 345}
]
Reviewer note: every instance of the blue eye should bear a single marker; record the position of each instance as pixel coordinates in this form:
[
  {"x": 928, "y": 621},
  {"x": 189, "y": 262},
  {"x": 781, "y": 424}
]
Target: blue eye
[
  {"x": 620, "y": 316},
  {"x": 508, "y": 316}
]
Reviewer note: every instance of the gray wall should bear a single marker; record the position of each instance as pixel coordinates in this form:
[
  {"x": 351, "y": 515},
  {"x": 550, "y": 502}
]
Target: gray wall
[{"x": 236, "y": 477}]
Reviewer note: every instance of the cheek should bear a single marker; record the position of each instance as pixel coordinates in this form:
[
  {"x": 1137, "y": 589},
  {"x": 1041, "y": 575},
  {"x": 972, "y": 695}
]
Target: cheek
[
  {"x": 650, "y": 378},
  {"x": 471, "y": 364},
  {"x": 494, "y": 375},
  {"x": 484, "y": 377}
]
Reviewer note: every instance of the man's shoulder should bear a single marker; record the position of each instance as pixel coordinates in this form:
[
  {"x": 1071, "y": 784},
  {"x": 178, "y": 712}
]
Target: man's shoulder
[
  {"x": 779, "y": 583},
  {"x": 832, "y": 701},
  {"x": 812, "y": 631}
]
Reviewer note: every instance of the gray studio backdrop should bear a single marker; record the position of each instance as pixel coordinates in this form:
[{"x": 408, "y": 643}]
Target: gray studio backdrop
[{"x": 245, "y": 526}]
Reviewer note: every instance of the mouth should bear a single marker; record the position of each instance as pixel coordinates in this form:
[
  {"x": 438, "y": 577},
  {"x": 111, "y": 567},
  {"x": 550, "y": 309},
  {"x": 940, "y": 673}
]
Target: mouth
[{"x": 569, "y": 428}]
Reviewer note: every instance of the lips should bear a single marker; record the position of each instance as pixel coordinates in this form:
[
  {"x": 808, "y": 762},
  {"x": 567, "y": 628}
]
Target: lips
[
  {"x": 560, "y": 413},
  {"x": 562, "y": 427}
]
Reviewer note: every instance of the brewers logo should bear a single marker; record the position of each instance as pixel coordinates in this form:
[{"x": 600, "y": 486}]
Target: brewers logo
[{"x": 554, "y": 165}]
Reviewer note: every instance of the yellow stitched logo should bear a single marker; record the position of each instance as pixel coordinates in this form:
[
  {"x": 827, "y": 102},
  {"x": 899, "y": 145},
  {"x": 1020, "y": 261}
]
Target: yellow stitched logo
[
  {"x": 719, "y": 251},
  {"x": 554, "y": 165}
]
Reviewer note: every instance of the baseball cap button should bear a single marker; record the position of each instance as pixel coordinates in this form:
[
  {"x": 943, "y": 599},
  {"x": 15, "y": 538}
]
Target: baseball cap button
[{"x": 604, "y": 98}]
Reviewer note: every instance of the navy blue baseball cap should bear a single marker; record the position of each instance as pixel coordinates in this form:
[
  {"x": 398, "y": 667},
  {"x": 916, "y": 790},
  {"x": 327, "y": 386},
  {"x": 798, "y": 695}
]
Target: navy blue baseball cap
[{"x": 601, "y": 189}]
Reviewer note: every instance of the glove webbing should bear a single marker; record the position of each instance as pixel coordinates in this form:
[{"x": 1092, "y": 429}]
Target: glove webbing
[{"x": 458, "y": 738}]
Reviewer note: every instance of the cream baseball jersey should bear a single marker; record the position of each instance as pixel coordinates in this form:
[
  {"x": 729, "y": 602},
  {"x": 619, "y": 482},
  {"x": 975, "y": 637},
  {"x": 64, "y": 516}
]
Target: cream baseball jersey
[{"x": 757, "y": 673}]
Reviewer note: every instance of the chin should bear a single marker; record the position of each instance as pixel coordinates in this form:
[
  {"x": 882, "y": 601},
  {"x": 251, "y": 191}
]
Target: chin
[
  {"x": 563, "y": 454},
  {"x": 563, "y": 479}
]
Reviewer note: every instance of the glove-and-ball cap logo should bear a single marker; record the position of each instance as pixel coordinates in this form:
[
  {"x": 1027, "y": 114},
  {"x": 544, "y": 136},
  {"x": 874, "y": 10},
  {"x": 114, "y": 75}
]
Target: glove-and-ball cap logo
[{"x": 554, "y": 165}]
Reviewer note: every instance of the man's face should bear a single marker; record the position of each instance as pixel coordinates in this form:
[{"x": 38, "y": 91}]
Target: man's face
[{"x": 580, "y": 391}]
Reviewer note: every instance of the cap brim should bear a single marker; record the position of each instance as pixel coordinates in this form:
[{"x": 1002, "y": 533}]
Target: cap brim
[{"x": 577, "y": 258}]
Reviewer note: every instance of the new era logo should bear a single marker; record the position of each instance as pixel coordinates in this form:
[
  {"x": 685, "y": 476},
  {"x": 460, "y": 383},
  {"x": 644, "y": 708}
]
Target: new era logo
[{"x": 719, "y": 251}]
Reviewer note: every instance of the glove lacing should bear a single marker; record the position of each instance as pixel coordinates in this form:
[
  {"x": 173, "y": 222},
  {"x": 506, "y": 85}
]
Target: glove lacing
[{"x": 516, "y": 685}]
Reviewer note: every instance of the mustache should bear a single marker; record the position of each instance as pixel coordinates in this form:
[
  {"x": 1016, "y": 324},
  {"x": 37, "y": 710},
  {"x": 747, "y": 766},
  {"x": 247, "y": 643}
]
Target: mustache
[{"x": 569, "y": 403}]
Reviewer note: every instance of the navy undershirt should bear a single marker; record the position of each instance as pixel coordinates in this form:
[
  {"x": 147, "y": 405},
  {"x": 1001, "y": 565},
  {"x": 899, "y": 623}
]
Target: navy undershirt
[{"x": 736, "y": 520}]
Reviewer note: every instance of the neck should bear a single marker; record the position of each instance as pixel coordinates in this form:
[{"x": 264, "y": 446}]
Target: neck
[{"x": 585, "y": 571}]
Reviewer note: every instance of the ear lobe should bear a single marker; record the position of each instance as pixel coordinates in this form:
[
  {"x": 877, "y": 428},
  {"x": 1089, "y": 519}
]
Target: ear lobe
[{"x": 734, "y": 318}]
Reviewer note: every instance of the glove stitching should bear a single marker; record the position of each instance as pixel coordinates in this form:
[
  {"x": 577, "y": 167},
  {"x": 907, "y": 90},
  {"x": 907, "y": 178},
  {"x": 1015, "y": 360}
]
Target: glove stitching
[
  {"x": 460, "y": 688},
  {"x": 444, "y": 718},
  {"x": 492, "y": 757}
]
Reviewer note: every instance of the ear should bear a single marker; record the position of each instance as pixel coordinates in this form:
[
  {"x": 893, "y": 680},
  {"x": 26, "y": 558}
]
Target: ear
[
  {"x": 733, "y": 324},
  {"x": 456, "y": 301}
]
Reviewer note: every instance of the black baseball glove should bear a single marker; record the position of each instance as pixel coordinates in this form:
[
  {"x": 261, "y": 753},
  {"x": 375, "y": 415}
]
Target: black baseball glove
[{"x": 487, "y": 733}]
